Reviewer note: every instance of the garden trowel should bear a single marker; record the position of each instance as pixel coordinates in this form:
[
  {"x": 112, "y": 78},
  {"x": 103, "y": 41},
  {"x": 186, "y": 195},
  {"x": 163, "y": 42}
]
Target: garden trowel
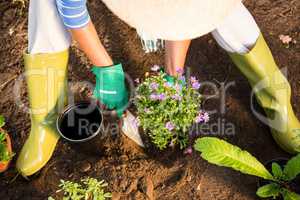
[{"x": 130, "y": 128}]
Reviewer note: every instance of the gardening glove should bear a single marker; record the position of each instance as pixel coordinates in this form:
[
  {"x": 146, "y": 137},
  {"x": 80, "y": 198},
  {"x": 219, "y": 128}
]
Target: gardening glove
[
  {"x": 110, "y": 87},
  {"x": 170, "y": 79}
]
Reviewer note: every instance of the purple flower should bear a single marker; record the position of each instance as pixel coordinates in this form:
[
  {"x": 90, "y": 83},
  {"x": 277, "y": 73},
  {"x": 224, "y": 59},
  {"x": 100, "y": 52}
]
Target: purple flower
[
  {"x": 179, "y": 70},
  {"x": 153, "y": 97},
  {"x": 193, "y": 79},
  {"x": 196, "y": 85},
  {"x": 176, "y": 97},
  {"x": 170, "y": 126},
  {"x": 137, "y": 80},
  {"x": 198, "y": 119},
  {"x": 188, "y": 151},
  {"x": 155, "y": 68},
  {"x": 202, "y": 117},
  {"x": 161, "y": 97},
  {"x": 206, "y": 117},
  {"x": 154, "y": 86}
]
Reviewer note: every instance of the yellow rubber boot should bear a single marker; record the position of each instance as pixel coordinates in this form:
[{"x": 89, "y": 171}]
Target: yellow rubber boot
[
  {"x": 46, "y": 83},
  {"x": 273, "y": 93}
]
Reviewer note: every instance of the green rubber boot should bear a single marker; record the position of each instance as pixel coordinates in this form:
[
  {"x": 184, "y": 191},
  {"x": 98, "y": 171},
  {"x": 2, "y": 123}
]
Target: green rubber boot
[
  {"x": 273, "y": 93},
  {"x": 46, "y": 84}
]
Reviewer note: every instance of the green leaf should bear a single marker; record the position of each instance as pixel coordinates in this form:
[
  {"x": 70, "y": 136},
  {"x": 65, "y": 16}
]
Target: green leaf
[
  {"x": 51, "y": 198},
  {"x": 4, "y": 154},
  {"x": 292, "y": 168},
  {"x": 108, "y": 195},
  {"x": 221, "y": 153},
  {"x": 2, "y": 121},
  {"x": 288, "y": 195},
  {"x": 270, "y": 190},
  {"x": 276, "y": 170},
  {"x": 2, "y": 138}
]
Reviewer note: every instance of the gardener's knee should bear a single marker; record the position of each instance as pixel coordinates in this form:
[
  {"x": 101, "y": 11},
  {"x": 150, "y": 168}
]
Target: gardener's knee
[{"x": 74, "y": 13}]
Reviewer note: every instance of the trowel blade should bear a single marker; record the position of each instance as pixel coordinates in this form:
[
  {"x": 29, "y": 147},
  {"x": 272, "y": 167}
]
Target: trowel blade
[{"x": 130, "y": 128}]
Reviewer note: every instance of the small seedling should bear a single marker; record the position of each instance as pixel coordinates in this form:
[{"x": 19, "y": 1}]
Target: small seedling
[{"x": 88, "y": 189}]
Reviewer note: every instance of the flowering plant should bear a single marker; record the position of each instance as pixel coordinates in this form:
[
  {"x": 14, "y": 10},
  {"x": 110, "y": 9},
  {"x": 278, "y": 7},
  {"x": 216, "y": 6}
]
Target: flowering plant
[{"x": 167, "y": 107}]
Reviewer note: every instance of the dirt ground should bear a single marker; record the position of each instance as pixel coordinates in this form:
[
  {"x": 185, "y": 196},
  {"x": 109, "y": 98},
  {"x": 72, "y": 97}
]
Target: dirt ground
[{"x": 131, "y": 172}]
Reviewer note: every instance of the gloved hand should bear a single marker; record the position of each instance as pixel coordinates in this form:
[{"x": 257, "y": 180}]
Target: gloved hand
[
  {"x": 170, "y": 79},
  {"x": 110, "y": 87}
]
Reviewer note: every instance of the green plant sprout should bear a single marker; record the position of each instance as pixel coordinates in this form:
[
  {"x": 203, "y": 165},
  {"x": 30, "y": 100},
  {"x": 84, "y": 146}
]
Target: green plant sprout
[
  {"x": 4, "y": 154},
  {"x": 222, "y": 153},
  {"x": 88, "y": 189}
]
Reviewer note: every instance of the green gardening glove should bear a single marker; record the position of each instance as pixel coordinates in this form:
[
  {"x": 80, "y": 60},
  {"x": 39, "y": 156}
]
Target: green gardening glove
[
  {"x": 170, "y": 79},
  {"x": 110, "y": 87}
]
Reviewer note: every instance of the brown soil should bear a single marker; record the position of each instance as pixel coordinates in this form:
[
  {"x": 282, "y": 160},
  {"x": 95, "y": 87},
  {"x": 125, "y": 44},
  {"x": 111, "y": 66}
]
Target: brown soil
[{"x": 131, "y": 172}]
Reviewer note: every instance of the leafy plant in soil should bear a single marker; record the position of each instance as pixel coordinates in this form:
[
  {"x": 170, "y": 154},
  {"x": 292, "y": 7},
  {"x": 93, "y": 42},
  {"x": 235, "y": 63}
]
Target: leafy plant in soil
[
  {"x": 5, "y": 155},
  {"x": 88, "y": 189},
  {"x": 221, "y": 153},
  {"x": 167, "y": 109}
]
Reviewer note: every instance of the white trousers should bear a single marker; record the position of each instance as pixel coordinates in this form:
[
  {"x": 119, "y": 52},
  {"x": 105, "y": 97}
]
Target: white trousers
[
  {"x": 47, "y": 34},
  {"x": 239, "y": 31}
]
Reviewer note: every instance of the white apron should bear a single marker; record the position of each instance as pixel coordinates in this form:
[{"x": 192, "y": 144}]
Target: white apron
[
  {"x": 153, "y": 19},
  {"x": 172, "y": 19}
]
